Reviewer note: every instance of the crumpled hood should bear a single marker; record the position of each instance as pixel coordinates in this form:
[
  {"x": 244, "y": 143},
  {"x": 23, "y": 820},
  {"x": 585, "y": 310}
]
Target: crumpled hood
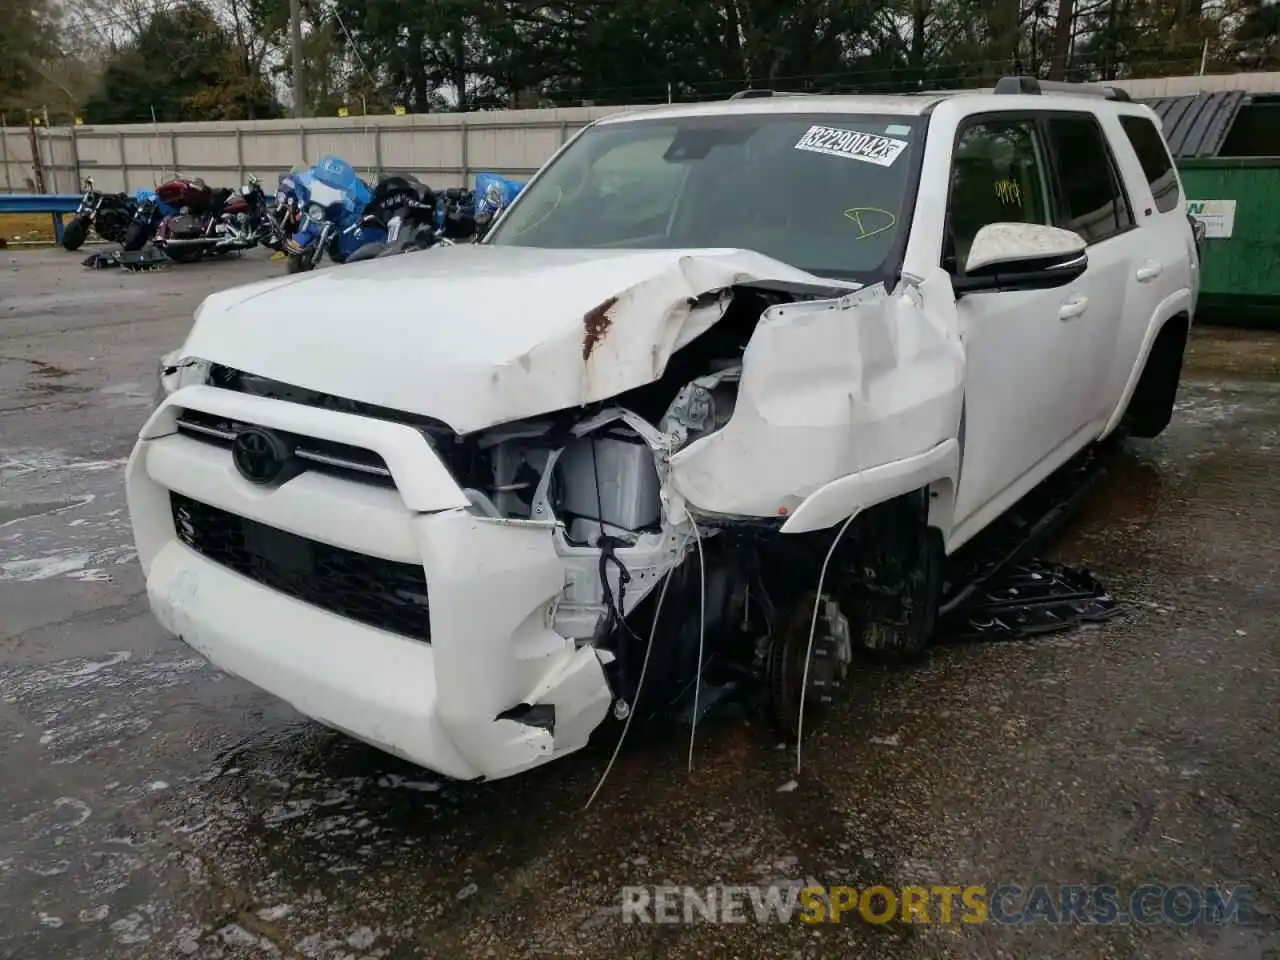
[{"x": 477, "y": 335}]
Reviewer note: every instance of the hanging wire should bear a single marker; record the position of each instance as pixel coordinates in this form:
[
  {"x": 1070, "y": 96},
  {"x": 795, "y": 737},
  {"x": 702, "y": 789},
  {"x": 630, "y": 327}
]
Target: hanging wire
[
  {"x": 702, "y": 629},
  {"x": 644, "y": 667},
  {"x": 813, "y": 629}
]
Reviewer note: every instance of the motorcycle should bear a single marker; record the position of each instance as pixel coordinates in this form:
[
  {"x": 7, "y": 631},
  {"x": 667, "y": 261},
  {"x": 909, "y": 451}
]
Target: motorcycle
[
  {"x": 418, "y": 218},
  {"x": 150, "y": 209},
  {"x": 109, "y": 214},
  {"x": 408, "y": 208},
  {"x": 335, "y": 216},
  {"x": 456, "y": 215},
  {"x": 494, "y": 194},
  {"x": 211, "y": 222},
  {"x": 284, "y": 214}
]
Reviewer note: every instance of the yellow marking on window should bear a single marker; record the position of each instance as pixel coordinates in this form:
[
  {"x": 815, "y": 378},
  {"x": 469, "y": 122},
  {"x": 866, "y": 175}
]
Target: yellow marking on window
[
  {"x": 865, "y": 219},
  {"x": 1009, "y": 192}
]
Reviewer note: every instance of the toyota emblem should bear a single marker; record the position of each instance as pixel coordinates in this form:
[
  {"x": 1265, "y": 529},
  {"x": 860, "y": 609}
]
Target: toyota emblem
[{"x": 259, "y": 455}]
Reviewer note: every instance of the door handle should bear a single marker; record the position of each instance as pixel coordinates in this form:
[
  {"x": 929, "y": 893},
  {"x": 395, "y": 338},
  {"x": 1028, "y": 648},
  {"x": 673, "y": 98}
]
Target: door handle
[
  {"x": 1073, "y": 308},
  {"x": 1149, "y": 271}
]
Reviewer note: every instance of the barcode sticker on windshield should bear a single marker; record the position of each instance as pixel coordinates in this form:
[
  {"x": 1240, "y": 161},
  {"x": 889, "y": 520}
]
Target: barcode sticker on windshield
[{"x": 867, "y": 147}]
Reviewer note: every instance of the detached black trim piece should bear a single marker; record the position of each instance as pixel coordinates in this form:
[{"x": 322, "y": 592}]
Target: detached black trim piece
[{"x": 386, "y": 594}]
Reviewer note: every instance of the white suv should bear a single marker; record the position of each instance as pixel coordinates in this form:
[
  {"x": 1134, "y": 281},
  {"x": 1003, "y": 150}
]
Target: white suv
[{"x": 712, "y": 404}]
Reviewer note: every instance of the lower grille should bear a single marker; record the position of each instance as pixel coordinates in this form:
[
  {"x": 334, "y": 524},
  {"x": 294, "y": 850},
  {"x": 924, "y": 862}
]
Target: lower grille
[{"x": 381, "y": 593}]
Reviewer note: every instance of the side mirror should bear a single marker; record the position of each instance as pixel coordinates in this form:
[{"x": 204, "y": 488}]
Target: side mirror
[{"x": 1022, "y": 256}]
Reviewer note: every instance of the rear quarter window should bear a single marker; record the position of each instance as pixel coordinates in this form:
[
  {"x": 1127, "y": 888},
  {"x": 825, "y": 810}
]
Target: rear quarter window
[
  {"x": 1157, "y": 165},
  {"x": 1093, "y": 197}
]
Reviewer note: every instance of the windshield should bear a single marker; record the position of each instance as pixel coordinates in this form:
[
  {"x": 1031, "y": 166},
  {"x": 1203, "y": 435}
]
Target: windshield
[{"x": 828, "y": 194}]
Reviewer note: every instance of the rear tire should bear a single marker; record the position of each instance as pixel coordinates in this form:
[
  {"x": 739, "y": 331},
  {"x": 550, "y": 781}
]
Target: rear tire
[
  {"x": 1151, "y": 406},
  {"x": 74, "y": 234},
  {"x": 369, "y": 251},
  {"x": 298, "y": 263},
  {"x": 112, "y": 221},
  {"x": 136, "y": 237},
  {"x": 184, "y": 254}
]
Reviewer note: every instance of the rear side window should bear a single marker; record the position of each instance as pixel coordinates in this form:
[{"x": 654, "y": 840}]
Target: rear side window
[
  {"x": 1093, "y": 203},
  {"x": 1156, "y": 162}
]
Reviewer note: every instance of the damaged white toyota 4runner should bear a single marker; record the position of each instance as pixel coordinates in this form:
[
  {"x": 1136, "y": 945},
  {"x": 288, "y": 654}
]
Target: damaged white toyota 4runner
[{"x": 709, "y": 408}]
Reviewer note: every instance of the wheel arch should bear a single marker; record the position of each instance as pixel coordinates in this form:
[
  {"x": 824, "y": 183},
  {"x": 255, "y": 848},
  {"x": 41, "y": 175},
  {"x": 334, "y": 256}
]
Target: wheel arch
[
  {"x": 1174, "y": 309},
  {"x": 934, "y": 470}
]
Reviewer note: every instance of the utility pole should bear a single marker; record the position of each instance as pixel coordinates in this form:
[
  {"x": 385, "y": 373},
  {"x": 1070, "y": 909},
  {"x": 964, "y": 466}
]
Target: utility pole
[
  {"x": 37, "y": 164},
  {"x": 299, "y": 85}
]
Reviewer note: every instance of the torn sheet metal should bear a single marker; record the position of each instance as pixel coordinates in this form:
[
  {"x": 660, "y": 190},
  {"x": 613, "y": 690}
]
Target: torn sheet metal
[
  {"x": 830, "y": 388},
  {"x": 476, "y": 335}
]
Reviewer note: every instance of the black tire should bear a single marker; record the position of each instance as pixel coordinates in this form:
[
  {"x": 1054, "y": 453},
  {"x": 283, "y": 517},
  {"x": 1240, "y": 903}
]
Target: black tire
[
  {"x": 136, "y": 237},
  {"x": 1151, "y": 406},
  {"x": 298, "y": 263},
  {"x": 112, "y": 222},
  {"x": 75, "y": 233},
  {"x": 369, "y": 251},
  {"x": 184, "y": 254}
]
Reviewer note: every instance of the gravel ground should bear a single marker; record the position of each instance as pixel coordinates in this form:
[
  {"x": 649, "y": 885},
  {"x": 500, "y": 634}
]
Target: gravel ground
[{"x": 151, "y": 807}]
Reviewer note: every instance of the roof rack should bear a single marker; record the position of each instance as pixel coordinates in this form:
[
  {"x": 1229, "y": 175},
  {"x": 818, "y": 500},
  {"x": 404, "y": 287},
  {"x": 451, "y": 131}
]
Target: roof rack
[
  {"x": 1036, "y": 86},
  {"x": 758, "y": 92}
]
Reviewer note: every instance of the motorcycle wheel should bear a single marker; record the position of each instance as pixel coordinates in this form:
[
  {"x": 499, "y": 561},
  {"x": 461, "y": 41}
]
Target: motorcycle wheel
[
  {"x": 183, "y": 254},
  {"x": 367, "y": 252},
  {"x": 112, "y": 224},
  {"x": 136, "y": 237},
  {"x": 74, "y": 233},
  {"x": 298, "y": 263}
]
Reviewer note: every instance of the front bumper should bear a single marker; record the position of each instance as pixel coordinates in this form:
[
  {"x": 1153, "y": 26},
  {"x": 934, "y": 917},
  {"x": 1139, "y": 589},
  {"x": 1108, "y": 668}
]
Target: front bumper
[{"x": 493, "y": 588}]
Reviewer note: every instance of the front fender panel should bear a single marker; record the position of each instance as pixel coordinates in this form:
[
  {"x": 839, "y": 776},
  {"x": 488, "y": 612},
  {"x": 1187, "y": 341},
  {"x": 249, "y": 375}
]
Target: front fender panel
[{"x": 830, "y": 389}]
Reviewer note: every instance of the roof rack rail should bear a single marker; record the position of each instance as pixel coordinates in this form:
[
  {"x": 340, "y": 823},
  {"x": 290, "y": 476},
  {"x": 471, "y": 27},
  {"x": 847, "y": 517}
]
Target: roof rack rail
[
  {"x": 1034, "y": 85},
  {"x": 760, "y": 94}
]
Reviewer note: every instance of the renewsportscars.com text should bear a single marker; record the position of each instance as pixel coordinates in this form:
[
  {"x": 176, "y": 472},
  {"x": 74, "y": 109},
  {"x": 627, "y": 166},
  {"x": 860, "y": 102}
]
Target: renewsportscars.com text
[{"x": 1006, "y": 904}]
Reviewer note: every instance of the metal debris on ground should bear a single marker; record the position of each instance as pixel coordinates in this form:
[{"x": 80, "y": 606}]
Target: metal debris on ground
[
  {"x": 996, "y": 588},
  {"x": 101, "y": 261},
  {"x": 135, "y": 261},
  {"x": 1033, "y": 597}
]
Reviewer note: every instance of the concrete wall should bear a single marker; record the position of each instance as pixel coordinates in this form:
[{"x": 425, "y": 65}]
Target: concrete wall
[{"x": 444, "y": 149}]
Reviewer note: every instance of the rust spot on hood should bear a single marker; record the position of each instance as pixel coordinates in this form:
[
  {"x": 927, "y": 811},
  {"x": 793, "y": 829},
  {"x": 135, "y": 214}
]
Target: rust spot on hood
[{"x": 595, "y": 324}]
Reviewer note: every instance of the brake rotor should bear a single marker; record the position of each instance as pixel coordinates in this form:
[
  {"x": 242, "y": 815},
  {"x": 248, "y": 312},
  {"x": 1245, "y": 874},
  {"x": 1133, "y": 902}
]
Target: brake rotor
[{"x": 829, "y": 661}]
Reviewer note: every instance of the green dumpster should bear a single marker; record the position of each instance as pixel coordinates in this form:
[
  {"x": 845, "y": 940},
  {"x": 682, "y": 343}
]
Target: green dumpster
[
  {"x": 1226, "y": 145},
  {"x": 1238, "y": 199}
]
